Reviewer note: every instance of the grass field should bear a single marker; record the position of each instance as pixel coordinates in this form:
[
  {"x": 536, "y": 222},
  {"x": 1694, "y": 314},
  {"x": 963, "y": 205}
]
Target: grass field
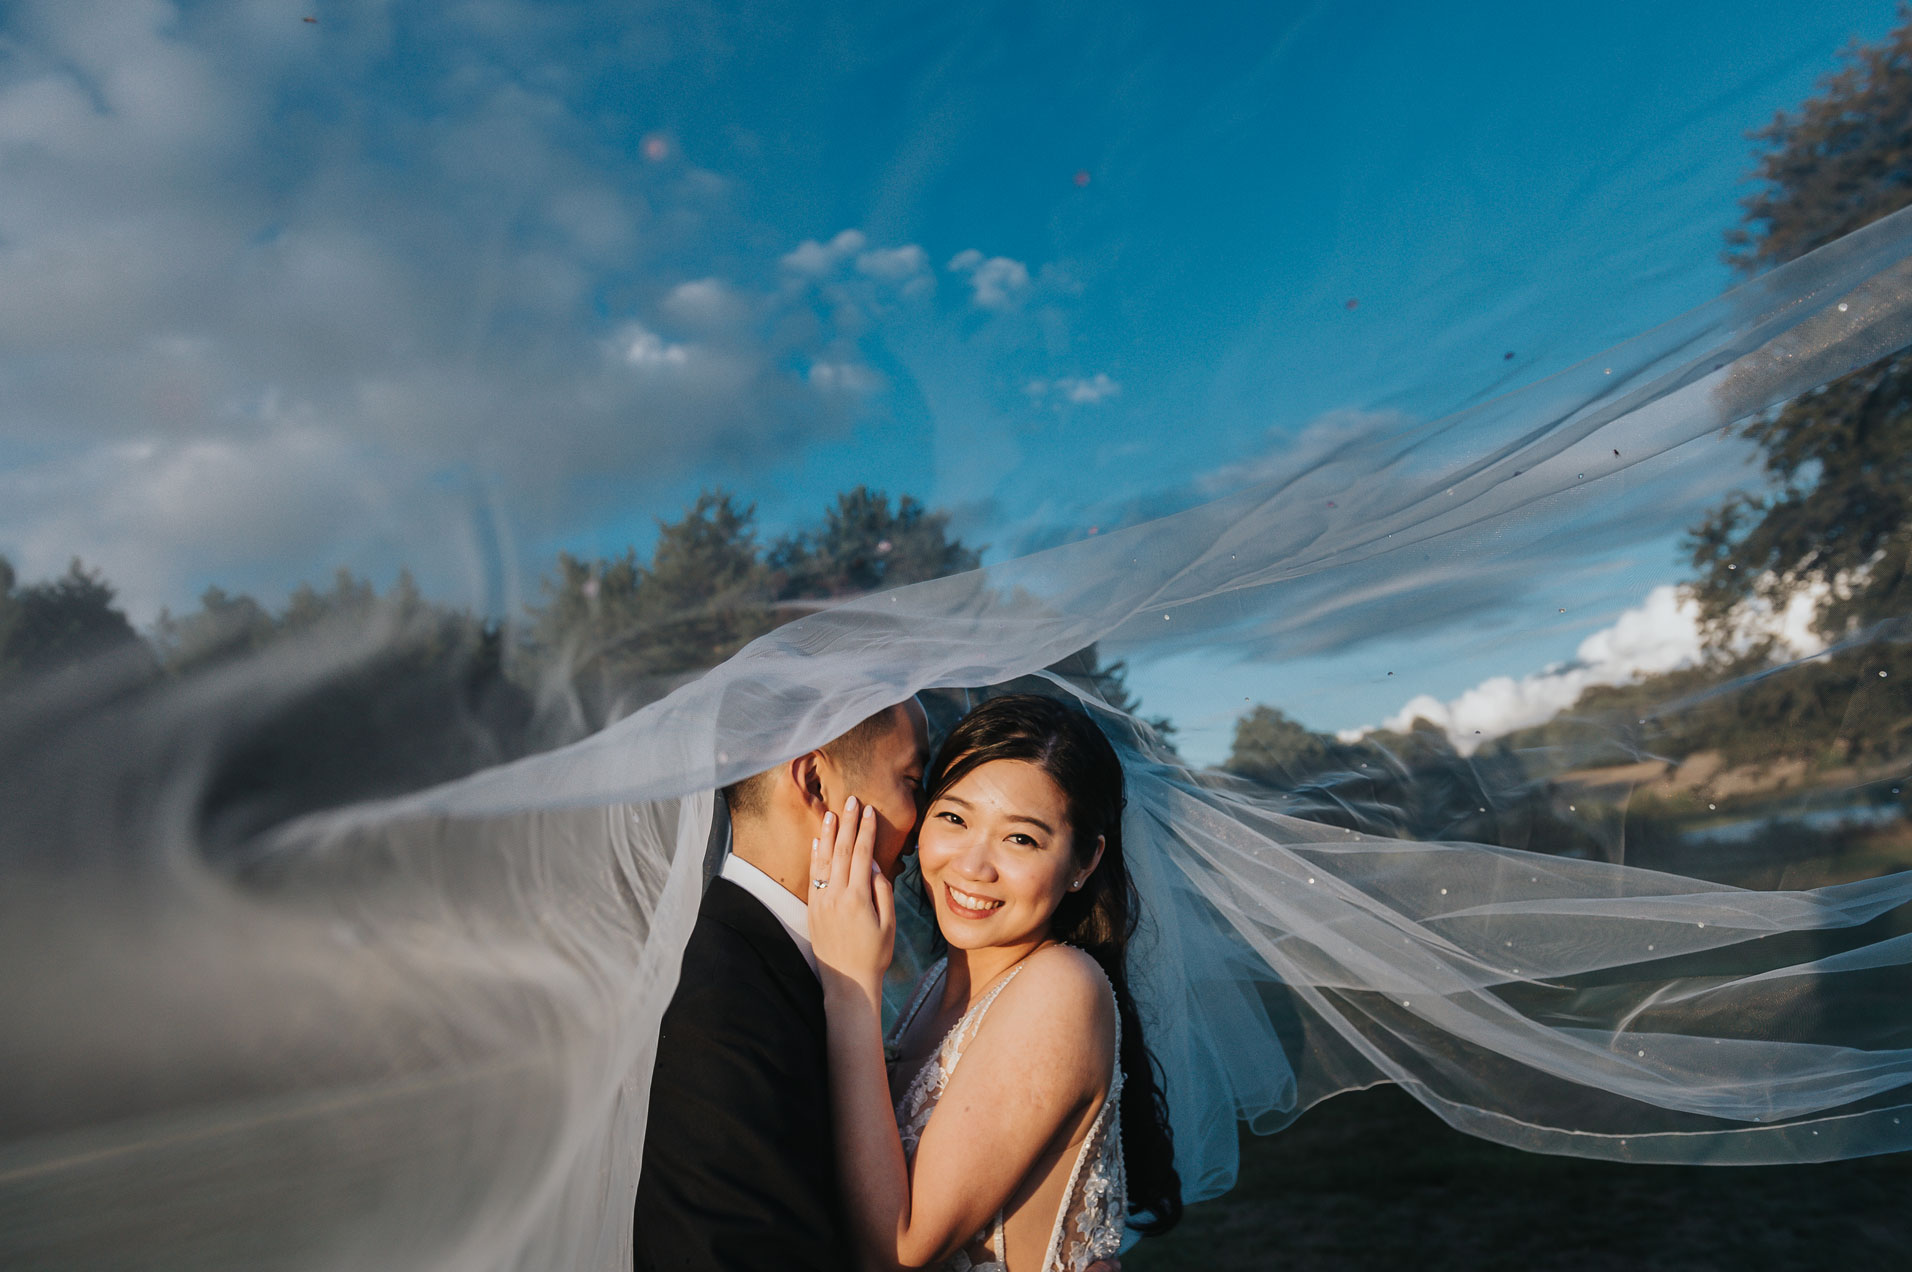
[{"x": 1371, "y": 1181}]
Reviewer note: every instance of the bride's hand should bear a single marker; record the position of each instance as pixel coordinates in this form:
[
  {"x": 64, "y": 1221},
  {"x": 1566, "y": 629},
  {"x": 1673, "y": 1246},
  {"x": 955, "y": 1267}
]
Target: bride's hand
[{"x": 853, "y": 915}]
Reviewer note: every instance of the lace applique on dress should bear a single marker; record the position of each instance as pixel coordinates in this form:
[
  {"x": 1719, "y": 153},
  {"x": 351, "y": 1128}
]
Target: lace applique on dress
[{"x": 1094, "y": 1206}]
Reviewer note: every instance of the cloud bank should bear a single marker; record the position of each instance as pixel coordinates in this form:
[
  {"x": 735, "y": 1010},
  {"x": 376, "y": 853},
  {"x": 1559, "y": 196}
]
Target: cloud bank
[
  {"x": 277, "y": 296},
  {"x": 1660, "y": 634}
]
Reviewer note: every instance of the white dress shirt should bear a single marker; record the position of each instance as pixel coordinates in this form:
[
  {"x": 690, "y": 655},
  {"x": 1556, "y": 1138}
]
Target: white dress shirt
[{"x": 785, "y": 908}]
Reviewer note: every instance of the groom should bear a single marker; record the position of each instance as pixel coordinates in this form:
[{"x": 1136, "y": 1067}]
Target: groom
[{"x": 739, "y": 1169}]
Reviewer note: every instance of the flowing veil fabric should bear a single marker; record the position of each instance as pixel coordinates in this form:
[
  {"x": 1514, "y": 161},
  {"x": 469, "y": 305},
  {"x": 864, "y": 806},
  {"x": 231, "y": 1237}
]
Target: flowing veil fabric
[{"x": 418, "y": 1034}]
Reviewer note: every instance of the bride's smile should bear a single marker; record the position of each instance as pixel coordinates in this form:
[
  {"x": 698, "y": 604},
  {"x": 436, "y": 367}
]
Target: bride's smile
[
  {"x": 996, "y": 853},
  {"x": 969, "y": 905}
]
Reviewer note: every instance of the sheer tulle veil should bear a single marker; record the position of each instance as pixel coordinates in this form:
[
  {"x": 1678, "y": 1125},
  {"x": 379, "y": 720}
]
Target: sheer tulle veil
[{"x": 418, "y": 1033}]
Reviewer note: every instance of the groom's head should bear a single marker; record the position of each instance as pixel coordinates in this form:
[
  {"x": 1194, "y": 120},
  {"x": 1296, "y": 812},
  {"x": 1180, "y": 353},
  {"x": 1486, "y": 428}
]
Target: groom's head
[{"x": 881, "y": 761}]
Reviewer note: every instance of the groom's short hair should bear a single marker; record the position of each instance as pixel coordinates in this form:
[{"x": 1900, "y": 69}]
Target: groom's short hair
[{"x": 852, "y": 750}]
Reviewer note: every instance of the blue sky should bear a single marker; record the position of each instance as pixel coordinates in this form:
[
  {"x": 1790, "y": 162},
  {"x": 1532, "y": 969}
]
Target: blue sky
[{"x": 462, "y": 284}]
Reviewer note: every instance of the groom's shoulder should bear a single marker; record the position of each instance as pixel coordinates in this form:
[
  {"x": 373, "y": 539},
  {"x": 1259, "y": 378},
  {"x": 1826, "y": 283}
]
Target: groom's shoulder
[
  {"x": 731, "y": 919},
  {"x": 737, "y": 948}
]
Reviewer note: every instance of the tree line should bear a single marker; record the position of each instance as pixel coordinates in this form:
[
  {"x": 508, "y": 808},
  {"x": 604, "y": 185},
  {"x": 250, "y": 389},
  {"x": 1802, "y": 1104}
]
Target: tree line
[{"x": 427, "y": 692}]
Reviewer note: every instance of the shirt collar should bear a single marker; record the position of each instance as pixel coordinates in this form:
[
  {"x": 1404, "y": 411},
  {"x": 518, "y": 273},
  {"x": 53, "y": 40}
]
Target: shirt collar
[{"x": 785, "y": 908}]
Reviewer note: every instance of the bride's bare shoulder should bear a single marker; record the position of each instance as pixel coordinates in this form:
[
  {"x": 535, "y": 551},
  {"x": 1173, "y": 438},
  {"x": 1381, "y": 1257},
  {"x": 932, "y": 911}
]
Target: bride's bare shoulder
[
  {"x": 1067, "y": 982},
  {"x": 1050, "y": 1033}
]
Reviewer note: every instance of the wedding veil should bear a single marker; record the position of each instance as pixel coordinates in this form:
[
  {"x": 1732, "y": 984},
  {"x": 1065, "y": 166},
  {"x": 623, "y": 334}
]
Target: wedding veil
[{"x": 418, "y": 1033}]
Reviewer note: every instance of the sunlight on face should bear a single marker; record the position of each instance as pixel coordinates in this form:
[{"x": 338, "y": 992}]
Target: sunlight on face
[{"x": 996, "y": 855}]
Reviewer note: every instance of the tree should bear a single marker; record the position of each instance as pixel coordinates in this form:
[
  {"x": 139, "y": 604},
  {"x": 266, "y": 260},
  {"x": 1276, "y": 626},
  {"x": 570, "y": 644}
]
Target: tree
[
  {"x": 224, "y": 627},
  {"x": 864, "y": 546},
  {"x": 350, "y": 599},
  {"x": 1412, "y": 785},
  {"x": 614, "y": 633},
  {"x": 704, "y": 595},
  {"x": 9, "y": 610},
  {"x": 1837, "y": 514},
  {"x": 1842, "y": 162},
  {"x": 70, "y": 620},
  {"x": 1272, "y": 748},
  {"x": 423, "y": 697}
]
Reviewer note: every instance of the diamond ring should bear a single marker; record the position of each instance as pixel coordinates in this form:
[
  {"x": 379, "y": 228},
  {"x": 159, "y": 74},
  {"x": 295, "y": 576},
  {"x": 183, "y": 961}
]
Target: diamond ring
[{"x": 819, "y": 883}]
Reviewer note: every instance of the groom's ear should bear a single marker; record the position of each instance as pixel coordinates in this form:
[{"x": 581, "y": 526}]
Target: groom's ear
[{"x": 806, "y": 774}]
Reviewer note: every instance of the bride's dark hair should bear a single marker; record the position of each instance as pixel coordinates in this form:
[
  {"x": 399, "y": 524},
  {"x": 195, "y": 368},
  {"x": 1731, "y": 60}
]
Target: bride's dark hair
[{"x": 1100, "y": 920}]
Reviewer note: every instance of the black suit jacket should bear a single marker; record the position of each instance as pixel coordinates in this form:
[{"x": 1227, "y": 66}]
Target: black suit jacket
[{"x": 739, "y": 1167}]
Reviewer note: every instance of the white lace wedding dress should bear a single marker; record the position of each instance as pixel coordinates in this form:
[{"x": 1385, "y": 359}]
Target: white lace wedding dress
[{"x": 1088, "y": 1224}]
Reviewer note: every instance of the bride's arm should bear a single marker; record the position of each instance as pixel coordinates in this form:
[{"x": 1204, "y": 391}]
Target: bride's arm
[
  {"x": 1038, "y": 1065},
  {"x": 1042, "y": 1055},
  {"x": 853, "y": 933}
]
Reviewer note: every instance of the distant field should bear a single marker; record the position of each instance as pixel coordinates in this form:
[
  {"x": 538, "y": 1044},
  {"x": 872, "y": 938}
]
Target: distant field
[{"x": 1372, "y": 1181}]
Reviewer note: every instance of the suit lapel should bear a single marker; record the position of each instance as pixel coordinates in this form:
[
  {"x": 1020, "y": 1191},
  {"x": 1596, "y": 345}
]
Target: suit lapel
[{"x": 730, "y": 905}]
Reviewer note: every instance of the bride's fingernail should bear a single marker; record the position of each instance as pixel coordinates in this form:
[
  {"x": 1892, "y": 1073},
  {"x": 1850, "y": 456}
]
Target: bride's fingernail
[
  {"x": 815, "y": 844},
  {"x": 849, "y": 806}
]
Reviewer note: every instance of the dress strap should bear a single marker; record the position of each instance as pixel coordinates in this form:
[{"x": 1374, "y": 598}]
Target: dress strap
[{"x": 972, "y": 1021}]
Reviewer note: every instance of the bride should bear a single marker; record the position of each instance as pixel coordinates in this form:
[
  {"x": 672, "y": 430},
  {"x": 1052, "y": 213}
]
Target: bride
[{"x": 1024, "y": 1122}]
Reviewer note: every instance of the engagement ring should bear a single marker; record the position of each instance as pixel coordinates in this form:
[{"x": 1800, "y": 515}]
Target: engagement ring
[{"x": 819, "y": 883}]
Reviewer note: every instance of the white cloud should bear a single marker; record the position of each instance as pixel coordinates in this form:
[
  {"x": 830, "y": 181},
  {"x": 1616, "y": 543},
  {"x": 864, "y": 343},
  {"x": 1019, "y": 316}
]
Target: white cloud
[
  {"x": 1075, "y": 390},
  {"x": 1097, "y": 388},
  {"x": 135, "y": 509},
  {"x": 995, "y": 282},
  {"x": 706, "y": 303},
  {"x": 849, "y": 377},
  {"x": 904, "y": 269},
  {"x": 817, "y": 259},
  {"x": 1660, "y": 634},
  {"x": 234, "y": 335},
  {"x": 645, "y": 348},
  {"x": 893, "y": 264}
]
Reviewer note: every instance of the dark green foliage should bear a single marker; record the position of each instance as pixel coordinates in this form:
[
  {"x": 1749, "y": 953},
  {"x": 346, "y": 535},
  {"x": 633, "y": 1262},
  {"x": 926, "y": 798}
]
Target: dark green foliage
[
  {"x": 1841, "y": 162},
  {"x": 375, "y": 696},
  {"x": 864, "y": 546},
  {"x": 1837, "y": 514},
  {"x": 1839, "y": 460},
  {"x": 9, "y": 613},
  {"x": 703, "y": 596},
  {"x": 348, "y": 694},
  {"x": 1833, "y": 710},
  {"x": 65, "y": 622},
  {"x": 1275, "y": 750},
  {"x": 614, "y": 634},
  {"x": 1414, "y": 785},
  {"x": 224, "y": 627},
  {"x": 617, "y": 633}
]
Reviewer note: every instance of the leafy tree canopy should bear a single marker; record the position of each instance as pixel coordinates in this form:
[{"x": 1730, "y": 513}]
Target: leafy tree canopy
[
  {"x": 612, "y": 628},
  {"x": 68, "y": 620},
  {"x": 1273, "y": 748},
  {"x": 432, "y": 693},
  {"x": 1837, "y": 511},
  {"x": 864, "y": 545},
  {"x": 612, "y": 633}
]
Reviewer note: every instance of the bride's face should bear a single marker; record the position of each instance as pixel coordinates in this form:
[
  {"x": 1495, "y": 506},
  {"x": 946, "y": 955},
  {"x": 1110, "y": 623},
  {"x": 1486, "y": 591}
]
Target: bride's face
[{"x": 996, "y": 852}]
